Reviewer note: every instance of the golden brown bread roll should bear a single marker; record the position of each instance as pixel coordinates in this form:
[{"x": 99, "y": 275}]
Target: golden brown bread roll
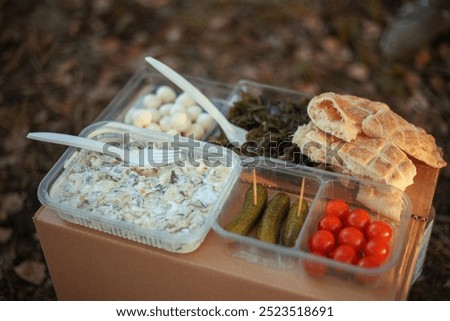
[
  {"x": 341, "y": 115},
  {"x": 411, "y": 139},
  {"x": 347, "y": 117},
  {"x": 364, "y": 157}
]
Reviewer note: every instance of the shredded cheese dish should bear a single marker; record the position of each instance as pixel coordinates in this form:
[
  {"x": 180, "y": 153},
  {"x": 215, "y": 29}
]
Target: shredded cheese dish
[{"x": 172, "y": 198}]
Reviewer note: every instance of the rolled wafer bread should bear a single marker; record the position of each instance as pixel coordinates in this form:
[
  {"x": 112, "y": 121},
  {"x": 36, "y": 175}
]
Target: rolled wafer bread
[
  {"x": 347, "y": 117},
  {"x": 364, "y": 157},
  {"x": 341, "y": 115},
  {"x": 411, "y": 139},
  {"x": 367, "y": 139}
]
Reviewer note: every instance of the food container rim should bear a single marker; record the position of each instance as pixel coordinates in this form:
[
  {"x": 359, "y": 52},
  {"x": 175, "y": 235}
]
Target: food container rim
[{"x": 241, "y": 83}]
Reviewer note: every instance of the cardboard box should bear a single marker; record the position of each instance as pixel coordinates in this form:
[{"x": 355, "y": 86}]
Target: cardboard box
[
  {"x": 89, "y": 265},
  {"x": 85, "y": 264}
]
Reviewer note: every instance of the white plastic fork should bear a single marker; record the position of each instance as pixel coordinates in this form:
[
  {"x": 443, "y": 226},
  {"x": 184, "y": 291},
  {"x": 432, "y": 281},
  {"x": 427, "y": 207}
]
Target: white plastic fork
[
  {"x": 236, "y": 135},
  {"x": 151, "y": 157}
]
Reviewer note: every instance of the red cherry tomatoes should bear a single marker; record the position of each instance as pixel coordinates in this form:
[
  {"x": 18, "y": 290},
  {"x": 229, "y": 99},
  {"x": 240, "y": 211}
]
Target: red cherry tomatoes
[
  {"x": 330, "y": 223},
  {"x": 358, "y": 218},
  {"x": 337, "y": 208},
  {"x": 344, "y": 253},
  {"x": 377, "y": 249},
  {"x": 349, "y": 236},
  {"x": 353, "y": 237},
  {"x": 322, "y": 241},
  {"x": 379, "y": 230}
]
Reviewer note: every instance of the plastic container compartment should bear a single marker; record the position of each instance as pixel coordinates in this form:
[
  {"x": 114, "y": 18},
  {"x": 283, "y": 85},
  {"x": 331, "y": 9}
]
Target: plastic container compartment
[
  {"x": 100, "y": 217},
  {"x": 281, "y": 100},
  {"x": 147, "y": 81},
  {"x": 340, "y": 280},
  {"x": 276, "y": 177}
]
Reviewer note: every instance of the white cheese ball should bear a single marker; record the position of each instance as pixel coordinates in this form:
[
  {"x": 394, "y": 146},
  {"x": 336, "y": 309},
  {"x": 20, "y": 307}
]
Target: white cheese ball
[
  {"x": 152, "y": 101},
  {"x": 154, "y": 126},
  {"x": 178, "y": 108},
  {"x": 206, "y": 121},
  {"x": 156, "y": 115},
  {"x": 165, "y": 109},
  {"x": 165, "y": 123},
  {"x": 194, "y": 112},
  {"x": 185, "y": 100},
  {"x": 141, "y": 117},
  {"x": 166, "y": 94},
  {"x": 196, "y": 130},
  {"x": 180, "y": 121}
]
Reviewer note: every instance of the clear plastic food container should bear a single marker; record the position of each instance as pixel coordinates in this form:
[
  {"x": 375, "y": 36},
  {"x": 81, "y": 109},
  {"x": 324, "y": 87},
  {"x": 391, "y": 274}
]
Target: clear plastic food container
[
  {"x": 325, "y": 276},
  {"x": 138, "y": 93},
  {"x": 170, "y": 207}
]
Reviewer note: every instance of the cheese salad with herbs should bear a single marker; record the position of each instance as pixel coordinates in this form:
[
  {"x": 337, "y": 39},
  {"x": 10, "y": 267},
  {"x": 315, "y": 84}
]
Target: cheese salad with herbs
[{"x": 172, "y": 198}]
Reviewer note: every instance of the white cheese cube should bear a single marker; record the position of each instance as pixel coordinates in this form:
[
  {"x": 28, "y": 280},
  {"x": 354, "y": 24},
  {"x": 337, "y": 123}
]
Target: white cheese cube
[{"x": 166, "y": 94}]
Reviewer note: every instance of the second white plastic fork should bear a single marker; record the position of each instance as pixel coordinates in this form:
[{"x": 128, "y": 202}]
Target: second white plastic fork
[{"x": 143, "y": 158}]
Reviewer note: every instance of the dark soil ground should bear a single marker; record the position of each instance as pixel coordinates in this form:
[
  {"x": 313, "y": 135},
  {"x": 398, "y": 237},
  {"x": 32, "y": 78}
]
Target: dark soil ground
[{"x": 62, "y": 62}]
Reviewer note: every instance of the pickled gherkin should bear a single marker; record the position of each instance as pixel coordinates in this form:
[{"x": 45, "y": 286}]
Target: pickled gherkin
[
  {"x": 270, "y": 226},
  {"x": 293, "y": 223},
  {"x": 250, "y": 213}
]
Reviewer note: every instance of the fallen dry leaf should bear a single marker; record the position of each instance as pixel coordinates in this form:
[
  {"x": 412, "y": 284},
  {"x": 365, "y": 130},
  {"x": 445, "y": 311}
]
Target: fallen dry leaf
[{"x": 31, "y": 271}]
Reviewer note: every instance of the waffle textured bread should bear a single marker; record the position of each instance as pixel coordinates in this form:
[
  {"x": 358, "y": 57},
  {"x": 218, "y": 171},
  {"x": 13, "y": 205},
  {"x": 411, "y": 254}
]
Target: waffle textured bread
[
  {"x": 366, "y": 139},
  {"x": 342, "y": 115},
  {"x": 364, "y": 157},
  {"x": 411, "y": 139},
  {"x": 347, "y": 117}
]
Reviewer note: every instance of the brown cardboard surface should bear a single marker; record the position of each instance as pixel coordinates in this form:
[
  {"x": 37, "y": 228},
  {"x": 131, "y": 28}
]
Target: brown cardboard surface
[
  {"x": 90, "y": 265},
  {"x": 415, "y": 235},
  {"x": 421, "y": 193}
]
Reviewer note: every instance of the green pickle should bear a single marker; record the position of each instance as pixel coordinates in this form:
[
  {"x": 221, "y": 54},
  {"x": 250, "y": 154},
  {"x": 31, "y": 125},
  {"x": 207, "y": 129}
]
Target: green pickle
[
  {"x": 250, "y": 213},
  {"x": 293, "y": 223},
  {"x": 270, "y": 226}
]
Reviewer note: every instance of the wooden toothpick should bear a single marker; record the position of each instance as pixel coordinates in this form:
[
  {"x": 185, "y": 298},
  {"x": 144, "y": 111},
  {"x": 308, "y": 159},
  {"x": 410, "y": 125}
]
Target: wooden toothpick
[
  {"x": 300, "y": 200},
  {"x": 255, "y": 190}
]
